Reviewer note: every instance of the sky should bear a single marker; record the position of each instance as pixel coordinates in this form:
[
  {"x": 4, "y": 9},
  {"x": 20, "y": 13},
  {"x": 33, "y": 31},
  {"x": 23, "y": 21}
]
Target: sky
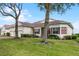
[{"x": 32, "y": 13}]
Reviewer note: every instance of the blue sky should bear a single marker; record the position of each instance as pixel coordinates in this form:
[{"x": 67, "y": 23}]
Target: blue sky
[{"x": 32, "y": 13}]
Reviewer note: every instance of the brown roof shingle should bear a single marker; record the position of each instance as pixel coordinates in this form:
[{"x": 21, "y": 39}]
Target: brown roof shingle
[
  {"x": 25, "y": 24},
  {"x": 53, "y": 22},
  {"x": 39, "y": 24}
]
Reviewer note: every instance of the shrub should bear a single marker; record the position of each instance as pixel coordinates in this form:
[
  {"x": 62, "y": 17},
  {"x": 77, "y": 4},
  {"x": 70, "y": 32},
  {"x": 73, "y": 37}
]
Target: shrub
[
  {"x": 26, "y": 35},
  {"x": 74, "y": 37},
  {"x": 7, "y": 34},
  {"x": 53, "y": 37},
  {"x": 77, "y": 35},
  {"x": 70, "y": 37},
  {"x": 29, "y": 35},
  {"x": 77, "y": 40}
]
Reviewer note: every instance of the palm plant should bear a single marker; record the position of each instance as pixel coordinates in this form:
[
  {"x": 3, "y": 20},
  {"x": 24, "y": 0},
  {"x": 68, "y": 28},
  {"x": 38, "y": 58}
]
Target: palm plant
[{"x": 52, "y": 7}]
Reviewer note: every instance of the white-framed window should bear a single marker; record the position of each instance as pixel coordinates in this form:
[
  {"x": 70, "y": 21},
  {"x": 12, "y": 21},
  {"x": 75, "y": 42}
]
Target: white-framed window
[
  {"x": 56, "y": 30},
  {"x": 37, "y": 31}
]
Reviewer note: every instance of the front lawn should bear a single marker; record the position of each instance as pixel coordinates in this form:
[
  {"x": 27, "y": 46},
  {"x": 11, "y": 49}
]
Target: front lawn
[{"x": 28, "y": 47}]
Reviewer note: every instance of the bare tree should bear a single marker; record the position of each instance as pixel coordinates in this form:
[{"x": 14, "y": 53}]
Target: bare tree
[{"x": 15, "y": 13}]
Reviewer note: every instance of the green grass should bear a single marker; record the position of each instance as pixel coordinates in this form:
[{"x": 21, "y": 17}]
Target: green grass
[{"x": 27, "y": 47}]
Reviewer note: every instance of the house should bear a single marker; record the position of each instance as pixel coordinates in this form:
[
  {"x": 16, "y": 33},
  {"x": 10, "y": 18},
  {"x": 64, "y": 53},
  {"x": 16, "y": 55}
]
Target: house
[
  {"x": 56, "y": 27},
  {"x": 23, "y": 28}
]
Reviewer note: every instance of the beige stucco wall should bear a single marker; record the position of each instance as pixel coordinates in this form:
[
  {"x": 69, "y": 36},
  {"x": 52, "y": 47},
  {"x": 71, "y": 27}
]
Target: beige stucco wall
[
  {"x": 40, "y": 31},
  {"x": 27, "y": 30},
  {"x": 69, "y": 30},
  {"x": 21, "y": 30},
  {"x": 3, "y": 30}
]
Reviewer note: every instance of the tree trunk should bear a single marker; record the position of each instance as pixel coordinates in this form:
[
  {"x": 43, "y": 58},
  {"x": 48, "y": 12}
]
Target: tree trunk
[
  {"x": 16, "y": 28},
  {"x": 46, "y": 25}
]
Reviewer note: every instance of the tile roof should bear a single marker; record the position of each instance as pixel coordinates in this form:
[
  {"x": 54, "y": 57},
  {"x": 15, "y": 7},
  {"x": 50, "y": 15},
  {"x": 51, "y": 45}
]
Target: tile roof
[
  {"x": 39, "y": 23},
  {"x": 25, "y": 24},
  {"x": 53, "y": 22}
]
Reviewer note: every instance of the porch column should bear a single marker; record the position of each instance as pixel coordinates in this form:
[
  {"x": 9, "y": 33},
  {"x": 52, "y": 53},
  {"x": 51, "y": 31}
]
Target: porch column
[
  {"x": 60, "y": 30},
  {"x": 50, "y": 31}
]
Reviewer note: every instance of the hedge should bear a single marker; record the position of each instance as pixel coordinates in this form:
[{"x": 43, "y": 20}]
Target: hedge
[
  {"x": 53, "y": 37},
  {"x": 29, "y": 35},
  {"x": 70, "y": 37}
]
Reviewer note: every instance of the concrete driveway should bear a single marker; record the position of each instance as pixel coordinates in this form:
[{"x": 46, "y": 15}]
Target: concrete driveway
[{"x": 5, "y": 37}]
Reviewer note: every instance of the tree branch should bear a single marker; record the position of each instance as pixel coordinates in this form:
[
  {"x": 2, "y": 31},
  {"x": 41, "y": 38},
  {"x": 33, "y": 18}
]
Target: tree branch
[
  {"x": 16, "y": 8},
  {"x": 5, "y": 13}
]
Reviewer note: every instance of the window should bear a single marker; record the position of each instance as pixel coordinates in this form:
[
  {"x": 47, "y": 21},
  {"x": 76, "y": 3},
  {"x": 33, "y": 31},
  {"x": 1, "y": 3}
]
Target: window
[
  {"x": 56, "y": 30},
  {"x": 63, "y": 30},
  {"x": 37, "y": 31},
  {"x": 48, "y": 31}
]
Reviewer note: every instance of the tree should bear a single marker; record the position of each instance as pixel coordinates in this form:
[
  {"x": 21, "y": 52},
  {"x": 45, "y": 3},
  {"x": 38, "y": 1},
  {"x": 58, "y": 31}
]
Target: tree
[
  {"x": 52, "y": 7},
  {"x": 15, "y": 13}
]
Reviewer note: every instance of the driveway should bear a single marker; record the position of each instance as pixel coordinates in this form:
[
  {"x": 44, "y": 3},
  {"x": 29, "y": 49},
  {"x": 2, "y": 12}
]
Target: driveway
[{"x": 5, "y": 37}]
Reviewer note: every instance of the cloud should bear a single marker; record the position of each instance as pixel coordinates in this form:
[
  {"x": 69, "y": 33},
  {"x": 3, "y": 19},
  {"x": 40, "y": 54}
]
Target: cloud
[
  {"x": 8, "y": 19},
  {"x": 1, "y": 26},
  {"x": 29, "y": 15},
  {"x": 22, "y": 18},
  {"x": 7, "y": 9},
  {"x": 25, "y": 15},
  {"x": 76, "y": 26}
]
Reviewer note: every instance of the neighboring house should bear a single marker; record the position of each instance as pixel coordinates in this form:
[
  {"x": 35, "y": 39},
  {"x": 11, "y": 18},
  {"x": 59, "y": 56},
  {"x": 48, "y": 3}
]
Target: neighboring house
[
  {"x": 23, "y": 28},
  {"x": 56, "y": 27}
]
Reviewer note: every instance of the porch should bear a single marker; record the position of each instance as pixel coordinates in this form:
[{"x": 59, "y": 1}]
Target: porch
[{"x": 51, "y": 31}]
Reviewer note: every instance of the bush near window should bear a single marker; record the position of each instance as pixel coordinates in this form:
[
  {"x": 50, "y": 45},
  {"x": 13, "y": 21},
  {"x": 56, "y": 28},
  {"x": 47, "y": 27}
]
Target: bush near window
[
  {"x": 29, "y": 35},
  {"x": 70, "y": 37},
  {"x": 53, "y": 37},
  {"x": 26, "y": 35},
  {"x": 7, "y": 34}
]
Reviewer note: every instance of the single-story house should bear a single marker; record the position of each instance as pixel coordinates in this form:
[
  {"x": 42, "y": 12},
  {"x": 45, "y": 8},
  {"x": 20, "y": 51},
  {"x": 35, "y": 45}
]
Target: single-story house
[
  {"x": 56, "y": 27},
  {"x": 23, "y": 28}
]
